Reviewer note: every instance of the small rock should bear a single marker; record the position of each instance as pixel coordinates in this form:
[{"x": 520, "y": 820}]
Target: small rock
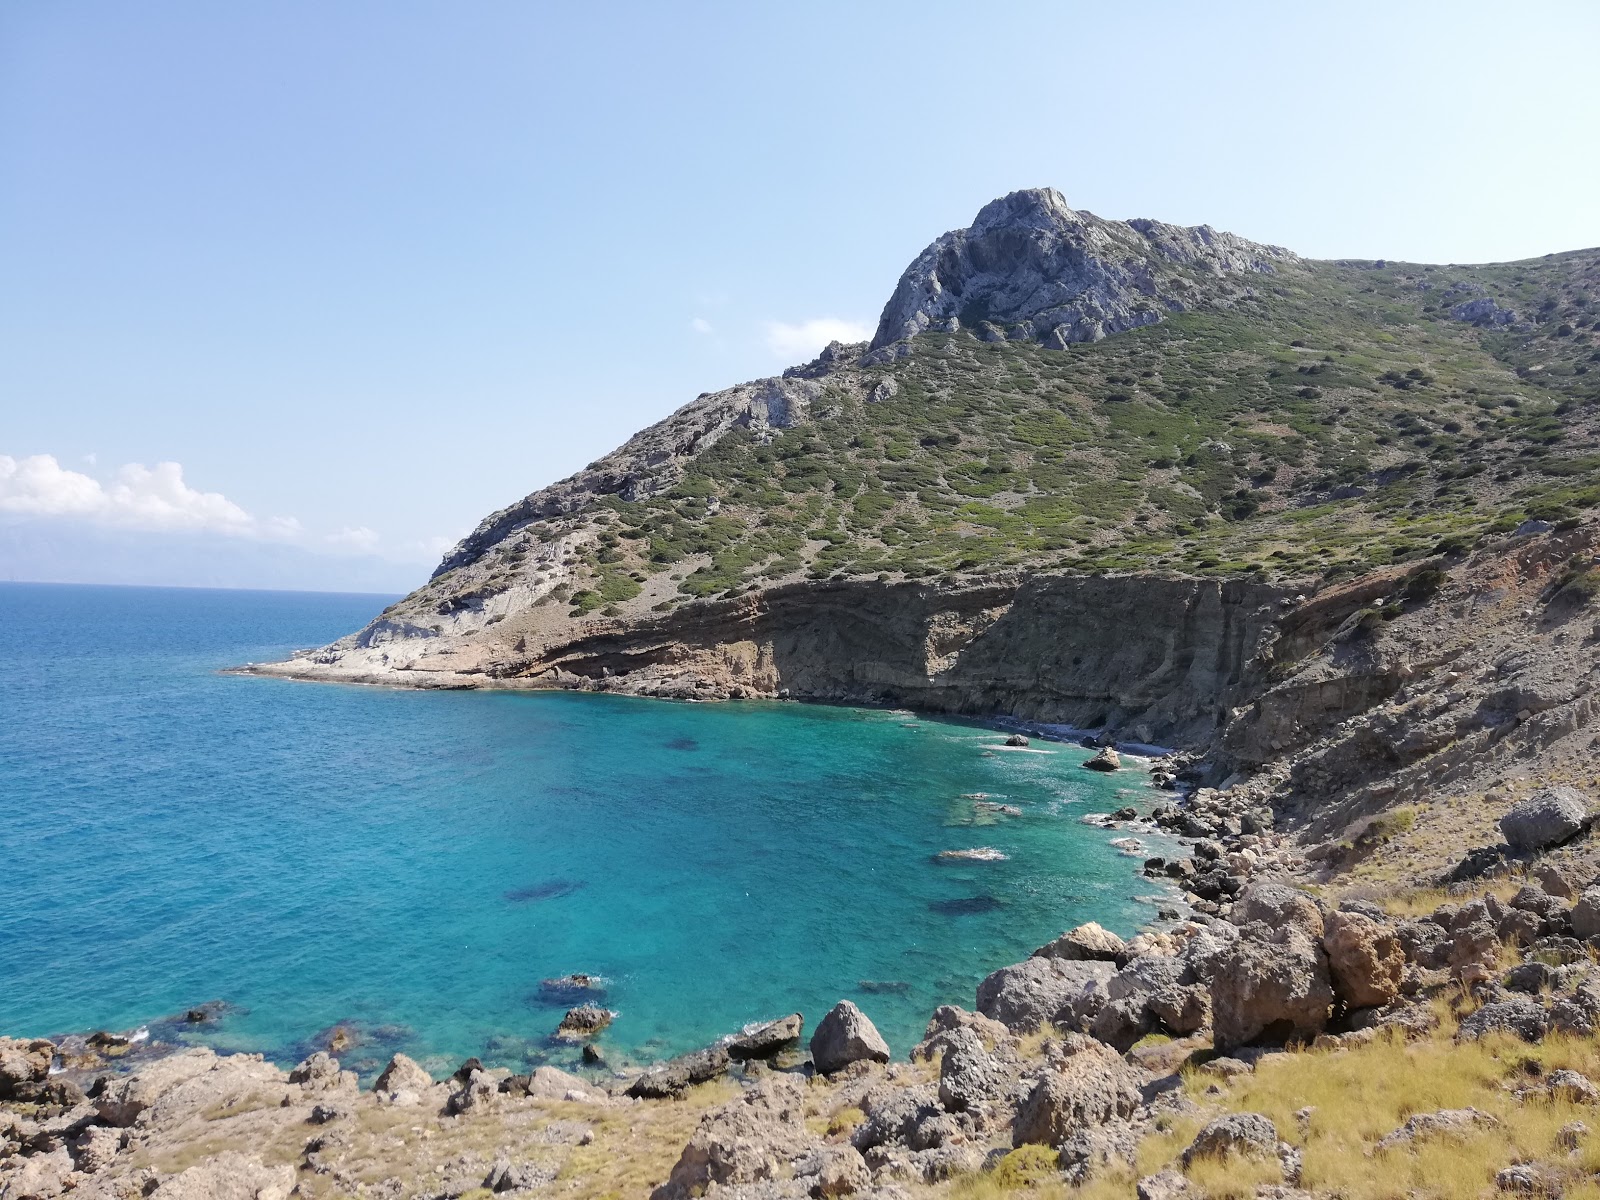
[
  {"x": 1447, "y": 1122},
  {"x": 585, "y": 1021},
  {"x": 1087, "y": 943},
  {"x": 403, "y": 1074},
  {"x": 1016, "y": 739},
  {"x": 1106, "y": 760},
  {"x": 1522, "y": 1016}
]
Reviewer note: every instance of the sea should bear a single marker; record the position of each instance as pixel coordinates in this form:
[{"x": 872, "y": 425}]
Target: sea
[{"x": 418, "y": 868}]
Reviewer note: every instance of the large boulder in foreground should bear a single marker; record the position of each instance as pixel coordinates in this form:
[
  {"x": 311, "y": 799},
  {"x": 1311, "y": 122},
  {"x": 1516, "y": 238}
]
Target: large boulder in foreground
[
  {"x": 229, "y": 1176},
  {"x": 1271, "y": 985},
  {"x": 1028, "y": 994},
  {"x": 1546, "y": 818},
  {"x": 1365, "y": 959},
  {"x": 846, "y": 1036},
  {"x": 1089, "y": 1087}
]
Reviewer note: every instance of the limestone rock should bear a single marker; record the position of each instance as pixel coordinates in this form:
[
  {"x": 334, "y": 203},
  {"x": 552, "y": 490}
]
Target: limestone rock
[
  {"x": 1033, "y": 267},
  {"x": 1106, "y": 760},
  {"x": 38, "y": 1176},
  {"x": 1272, "y": 984},
  {"x": 228, "y": 1176},
  {"x": 1522, "y": 1016},
  {"x": 845, "y": 1036},
  {"x": 1249, "y": 1134},
  {"x": 583, "y": 1022},
  {"x": 1556, "y": 881},
  {"x": 763, "y": 1041},
  {"x": 841, "y": 1172},
  {"x": 969, "y": 1074},
  {"x": 1547, "y": 818},
  {"x": 1447, "y": 1122},
  {"x": 677, "y": 1075},
  {"x": 1025, "y": 995},
  {"x": 1279, "y": 906},
  {"x": 23, "y": 1062},
  {"x": 1586, "y": 914},
  {"x": 403, "y": 1075},
  {"x": 320, "y": 1073},
  {"x": 1364, "y": 958},
  {"x": 1087, "y": 943},
  {"x": 169, "y": 1090},
  {"x": 1090, "y": 1087},
  {"x": 751, "y": 1140}
]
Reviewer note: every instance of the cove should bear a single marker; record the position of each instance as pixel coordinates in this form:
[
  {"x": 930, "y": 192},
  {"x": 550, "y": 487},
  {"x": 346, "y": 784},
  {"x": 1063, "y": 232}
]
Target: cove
[{"x": 415, "y": 865}]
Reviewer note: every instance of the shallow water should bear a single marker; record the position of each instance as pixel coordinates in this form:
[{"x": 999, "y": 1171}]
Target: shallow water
[{"x": 415, "y": 863}]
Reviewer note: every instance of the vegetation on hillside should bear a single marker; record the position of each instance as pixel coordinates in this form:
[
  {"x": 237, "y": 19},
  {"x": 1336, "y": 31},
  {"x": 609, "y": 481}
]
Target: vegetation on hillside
[{"x": 1343, "y": 418}]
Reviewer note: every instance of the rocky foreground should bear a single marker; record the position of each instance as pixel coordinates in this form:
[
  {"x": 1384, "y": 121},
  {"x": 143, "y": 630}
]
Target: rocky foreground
[{"x": 1280, "y": 1042}]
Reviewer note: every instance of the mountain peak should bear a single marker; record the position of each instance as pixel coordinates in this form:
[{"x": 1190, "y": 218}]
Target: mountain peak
[{"x": 1032, "y": 268}]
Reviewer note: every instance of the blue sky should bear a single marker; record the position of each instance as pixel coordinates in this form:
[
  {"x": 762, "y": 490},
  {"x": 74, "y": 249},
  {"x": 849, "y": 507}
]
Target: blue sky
[{"x": 367, "y": 270}]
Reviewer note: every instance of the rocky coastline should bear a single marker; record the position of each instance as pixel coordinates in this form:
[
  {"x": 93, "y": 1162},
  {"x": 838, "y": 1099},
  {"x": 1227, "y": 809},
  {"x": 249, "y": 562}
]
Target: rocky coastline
[{"x": 1067, "y": 1067}]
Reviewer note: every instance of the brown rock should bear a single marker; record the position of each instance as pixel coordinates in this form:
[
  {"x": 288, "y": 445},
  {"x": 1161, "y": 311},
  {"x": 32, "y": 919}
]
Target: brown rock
[
  {"x": 1364, "y": 958},
  {"x": 1086, "y": 943},
  {"x": 1270, "y": 985},
  {"x": 23, "y": 1062},
  {"x": 1089, "y": 1087},
  {"x": 845, "y": 1036}
]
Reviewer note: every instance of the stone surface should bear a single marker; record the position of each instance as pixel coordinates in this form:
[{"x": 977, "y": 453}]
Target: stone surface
[
  {"x": 229, "y": 1176},
  {"x": 1447, "y": 1122},
  {"x": 1245, "y": 1133},
  {"x": 1524, "y": 1017},
  {"x": 1087, "y": 943},
  {"x": 23, "y": 1061},
  {"x": 1547, "y": 818},
  {"x": 763, "y": 1041},
  {"x": 968, "y": 1073},
  {"x": 403, "y": 1074},
  {"x": 675, "y": 1076},
  {"x": 846, "y": 1036},
  {"x": 1089, "y": 1087},
  {"x": 1271, "y": 985},
  {"x": 750, "y": 1140},
  {"x": 1364, "y": 959},
  {"x": 1025, "y": 995}
]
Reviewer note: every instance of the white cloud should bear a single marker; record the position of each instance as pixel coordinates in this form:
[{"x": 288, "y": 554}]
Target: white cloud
[
  {"x": 140, "y": 497},
  {"x": 358, "y": 538},
  {"x": 807, "y": 338},
  {"x": 700, "y": 325}
]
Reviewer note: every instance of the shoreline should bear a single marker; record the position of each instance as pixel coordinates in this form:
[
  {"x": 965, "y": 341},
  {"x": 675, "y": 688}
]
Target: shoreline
[{"x": 155, "y": 1038}]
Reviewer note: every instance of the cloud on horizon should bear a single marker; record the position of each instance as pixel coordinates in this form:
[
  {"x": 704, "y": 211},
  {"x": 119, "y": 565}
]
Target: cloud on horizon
[
  {"x": 805, "y": 339},
  {"x": 139, "y": 497}
]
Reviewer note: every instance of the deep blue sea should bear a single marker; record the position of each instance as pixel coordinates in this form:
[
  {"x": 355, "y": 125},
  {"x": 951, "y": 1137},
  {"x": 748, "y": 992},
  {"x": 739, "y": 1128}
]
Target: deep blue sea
[{"x": 414, "y": 864}]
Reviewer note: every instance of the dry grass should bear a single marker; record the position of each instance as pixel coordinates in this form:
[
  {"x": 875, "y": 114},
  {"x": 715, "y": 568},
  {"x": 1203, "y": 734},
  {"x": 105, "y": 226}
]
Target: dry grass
[{"x": 1358, "y": 1096}]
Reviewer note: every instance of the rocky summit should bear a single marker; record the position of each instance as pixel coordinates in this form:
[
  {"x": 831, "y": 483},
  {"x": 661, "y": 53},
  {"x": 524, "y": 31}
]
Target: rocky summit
[{"x": 1327, "y": 528}]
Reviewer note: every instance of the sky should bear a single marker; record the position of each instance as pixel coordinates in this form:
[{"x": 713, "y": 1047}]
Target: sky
[{"x": 326, "y": 283}]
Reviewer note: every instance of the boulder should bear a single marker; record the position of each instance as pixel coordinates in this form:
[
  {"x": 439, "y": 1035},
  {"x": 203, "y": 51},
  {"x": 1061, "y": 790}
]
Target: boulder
[
  {"x": 1028, "y": 994},
  {"x": 1270, "y": 985},
  {"x": 1546, "y": 818},
  {"x": 1521, "y": 1015},
  {"x": 1091, "y": 1086},
  {"x": 841, "y": 1171},
  {"x": 1556, "y": 881},
  {"x": 403, "y": 1076},
  {"x": 1086, "y": 943},
  {"x": 846, "y": 1036},
  {"x": 1447, "y": 1122},
  {"x": 1279, "y": 906},
  {"x": 1249, "y": 1134},
  {"x": 23, "y": 1061},
  {"x": 675, "y": 1076},
  {"x": 763, "y": 1041},
  {"x": 478, "y": 1093},
  {"x": 896, "y": 1115},
  {"x": 1106, "y": 760},
  {"x": 1364, "y": 958},
  {"x": 37, "y": 1176},
  {"x": 1586, "y": 914},
  {"x": 1016, "y": 739},
  {"x": 585, "y": 1021},
  {"x": 968, "y": 1073},
  {"x": 552, "y": 1083},
  {"x": 169, "y": 1090},
  {"x": 228, "y": 1176},
  {"x": 751, "y": 1140},
  {"x": 320, "y": 1073}
]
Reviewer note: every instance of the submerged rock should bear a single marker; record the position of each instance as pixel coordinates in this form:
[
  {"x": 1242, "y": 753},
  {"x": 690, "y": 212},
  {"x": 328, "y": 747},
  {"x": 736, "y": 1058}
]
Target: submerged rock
[{"x": 582, "y": 1022}]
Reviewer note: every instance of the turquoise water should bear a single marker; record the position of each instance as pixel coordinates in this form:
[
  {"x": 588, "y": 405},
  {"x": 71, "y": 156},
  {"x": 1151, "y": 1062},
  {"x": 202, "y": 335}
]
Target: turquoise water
[{"x": 415, "y": 863}]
